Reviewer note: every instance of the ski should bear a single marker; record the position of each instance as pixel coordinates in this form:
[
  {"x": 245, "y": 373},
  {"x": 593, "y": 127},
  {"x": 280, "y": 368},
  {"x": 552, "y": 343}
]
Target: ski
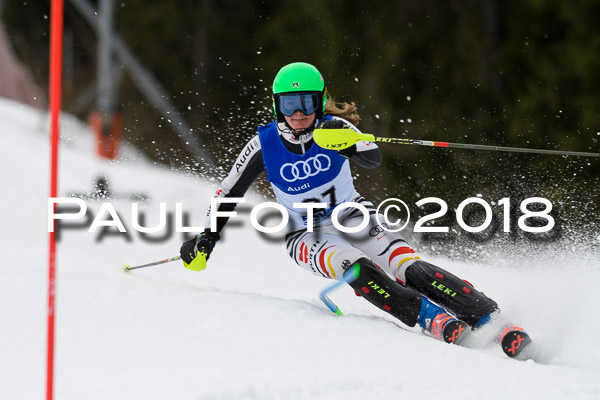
[
  {"x": 455, "y": 332},
  {"x": 514, "y": 341}
]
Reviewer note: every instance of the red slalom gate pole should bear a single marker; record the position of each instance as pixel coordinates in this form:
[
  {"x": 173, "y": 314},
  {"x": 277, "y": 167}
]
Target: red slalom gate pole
[{"x": 56, "y": 40}]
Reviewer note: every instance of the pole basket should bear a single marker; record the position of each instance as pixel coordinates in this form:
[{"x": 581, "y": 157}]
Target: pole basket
[{"x": 108, "y": 134}]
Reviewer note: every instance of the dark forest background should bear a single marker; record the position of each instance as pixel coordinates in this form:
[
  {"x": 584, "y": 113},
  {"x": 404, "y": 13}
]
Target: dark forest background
[{"x": 510, "y": 73}]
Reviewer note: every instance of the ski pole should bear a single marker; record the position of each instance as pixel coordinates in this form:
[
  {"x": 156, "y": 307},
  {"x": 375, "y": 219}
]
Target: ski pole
[
  {"x": 339, "y": 139},
  {"x": 128, "y": 268},
  {"x": 348, "y": 277}
]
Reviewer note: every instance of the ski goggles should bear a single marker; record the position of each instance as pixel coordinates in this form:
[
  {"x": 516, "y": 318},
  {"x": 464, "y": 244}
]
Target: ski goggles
[{"x": 307, "y": 103}]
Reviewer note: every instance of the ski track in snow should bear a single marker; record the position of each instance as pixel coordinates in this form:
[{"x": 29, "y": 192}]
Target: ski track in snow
[{"x": 251, "y": 325}]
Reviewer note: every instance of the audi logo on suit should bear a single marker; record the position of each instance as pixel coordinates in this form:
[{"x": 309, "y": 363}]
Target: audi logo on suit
[{"x": 300, "y": 170}]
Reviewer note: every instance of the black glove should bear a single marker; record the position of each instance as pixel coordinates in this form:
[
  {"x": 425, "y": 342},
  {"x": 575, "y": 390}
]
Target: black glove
[
  {"x": 333, "y": 124},
  {"x": 202, "y": 245}
]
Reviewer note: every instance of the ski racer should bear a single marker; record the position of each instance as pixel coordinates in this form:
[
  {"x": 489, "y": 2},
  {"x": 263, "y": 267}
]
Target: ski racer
[{"x": 387, "y": 271}]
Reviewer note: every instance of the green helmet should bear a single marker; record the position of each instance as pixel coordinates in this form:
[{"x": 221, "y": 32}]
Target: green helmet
[{"x": 299, "y": 78}]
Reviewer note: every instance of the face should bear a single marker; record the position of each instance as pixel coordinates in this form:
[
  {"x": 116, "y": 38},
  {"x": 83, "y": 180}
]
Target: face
[{"x": 298, "y": 121}]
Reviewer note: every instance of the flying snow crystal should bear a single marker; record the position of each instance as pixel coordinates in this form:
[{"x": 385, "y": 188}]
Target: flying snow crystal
[
  {"x": 377, "y": 116},
  {"x": 356, "y": 79},
  {"x": 407, "y": 98}
]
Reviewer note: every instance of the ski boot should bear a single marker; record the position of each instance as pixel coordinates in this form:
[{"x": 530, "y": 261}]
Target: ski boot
[{"x": 440, "y": 324}]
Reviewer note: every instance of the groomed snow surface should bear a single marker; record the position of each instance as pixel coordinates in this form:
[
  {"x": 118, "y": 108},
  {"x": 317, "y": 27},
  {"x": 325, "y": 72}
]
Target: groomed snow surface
[{"x": 251, "y": 325}]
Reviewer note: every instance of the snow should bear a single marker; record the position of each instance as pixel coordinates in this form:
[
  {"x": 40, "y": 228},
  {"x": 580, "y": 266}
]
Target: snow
[{"x": 251, "y": 325}]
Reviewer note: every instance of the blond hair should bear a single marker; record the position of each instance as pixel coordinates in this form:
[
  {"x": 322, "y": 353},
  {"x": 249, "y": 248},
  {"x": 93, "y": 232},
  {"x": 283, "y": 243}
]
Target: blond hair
[{"x": 348, "y": 111}]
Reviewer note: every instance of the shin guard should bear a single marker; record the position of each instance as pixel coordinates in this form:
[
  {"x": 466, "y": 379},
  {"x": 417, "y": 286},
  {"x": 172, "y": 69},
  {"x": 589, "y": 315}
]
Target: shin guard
[
  {"x": 450, "y": 292},
  {"x": 379, "y": 289}
]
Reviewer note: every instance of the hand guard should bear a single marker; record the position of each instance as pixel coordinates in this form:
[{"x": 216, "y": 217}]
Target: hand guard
[
  {"x": 195, "y": 252},
  {"x": 338, "y": 124}
]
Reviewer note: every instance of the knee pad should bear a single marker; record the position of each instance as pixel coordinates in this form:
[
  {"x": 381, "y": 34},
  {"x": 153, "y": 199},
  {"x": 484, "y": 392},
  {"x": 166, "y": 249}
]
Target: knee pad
[
  {"x": 385, "y": 293},
  {"x": 450, "y": 292}
]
